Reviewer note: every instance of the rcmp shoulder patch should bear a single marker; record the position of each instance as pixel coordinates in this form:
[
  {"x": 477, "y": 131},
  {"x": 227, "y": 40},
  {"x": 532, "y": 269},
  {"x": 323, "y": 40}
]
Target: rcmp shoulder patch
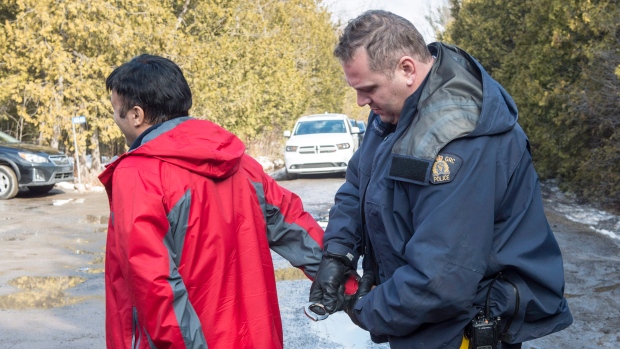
[{"x": 445, "y": 168}]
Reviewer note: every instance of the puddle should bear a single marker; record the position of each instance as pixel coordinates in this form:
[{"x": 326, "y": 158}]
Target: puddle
[
  {"x": 97, "y": 219},
  {"x": 607, "y": 288},
  {"x": 19, "y": 237},
  {"x": 75, "y": 250},
  {"x": 13, "y": 238},
  {"x": 568, "y": 295},
  {"x": 289, "y": 274},
  {"x": 98, "y": 260},
  {"x": 88, "y": 270},
  {"x": 41, "y": 292}
]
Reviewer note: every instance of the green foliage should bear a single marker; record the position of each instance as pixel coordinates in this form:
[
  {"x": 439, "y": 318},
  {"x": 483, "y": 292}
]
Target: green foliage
[
  {"x": 559, "y": 60},
  {"x": 253, "y": 66},
  {"x": 261, "y": 65},
  {"x": 57, "y": 55}
]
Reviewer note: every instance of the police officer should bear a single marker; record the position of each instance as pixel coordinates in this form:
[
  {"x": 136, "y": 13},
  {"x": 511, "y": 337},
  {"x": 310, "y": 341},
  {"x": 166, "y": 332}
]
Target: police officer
[{"x": 441, "y": 200}]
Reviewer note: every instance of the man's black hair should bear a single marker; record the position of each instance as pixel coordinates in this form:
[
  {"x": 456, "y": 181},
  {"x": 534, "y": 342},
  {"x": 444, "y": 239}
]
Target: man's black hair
[{"x": 155, "y": 84}]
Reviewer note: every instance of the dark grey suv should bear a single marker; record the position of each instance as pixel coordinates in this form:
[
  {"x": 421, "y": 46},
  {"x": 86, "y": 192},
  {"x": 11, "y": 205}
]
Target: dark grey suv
[{"x": 30, "y": 166}]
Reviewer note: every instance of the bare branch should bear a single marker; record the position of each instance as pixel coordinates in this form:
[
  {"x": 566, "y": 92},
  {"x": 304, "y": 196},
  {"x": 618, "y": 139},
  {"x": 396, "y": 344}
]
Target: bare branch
[{"x": 180, "y": 18}]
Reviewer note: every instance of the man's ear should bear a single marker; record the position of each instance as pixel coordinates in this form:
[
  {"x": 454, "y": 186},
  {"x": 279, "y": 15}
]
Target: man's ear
[
  {"x": 407, "y": 67},
  {"x": 137, "y": 116}
]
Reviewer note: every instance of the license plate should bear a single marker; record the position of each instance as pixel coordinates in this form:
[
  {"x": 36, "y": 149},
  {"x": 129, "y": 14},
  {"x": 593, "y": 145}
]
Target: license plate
[{"x": 66, "y": 169}]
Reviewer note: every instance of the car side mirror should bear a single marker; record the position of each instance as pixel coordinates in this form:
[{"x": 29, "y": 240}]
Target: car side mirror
[
  {"x": 287, "y": 134},
  {"x": 355, "y": 129}
]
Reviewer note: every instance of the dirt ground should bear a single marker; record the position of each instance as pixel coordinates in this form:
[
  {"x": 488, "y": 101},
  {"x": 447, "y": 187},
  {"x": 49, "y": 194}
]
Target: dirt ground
[
  {"x": 592, "y": 272},
  {"x": 51, "y": 270},
  {"x": 51, "y": 273}
]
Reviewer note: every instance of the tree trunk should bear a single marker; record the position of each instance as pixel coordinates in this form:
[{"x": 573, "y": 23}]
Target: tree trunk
[{"x": 96, "y": 155}]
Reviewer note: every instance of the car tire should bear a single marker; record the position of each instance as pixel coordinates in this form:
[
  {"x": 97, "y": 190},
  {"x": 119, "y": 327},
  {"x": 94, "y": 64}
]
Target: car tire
[
  {"x": 8, "y": 183},
  {"x": 290, "y": 176},
  {"x": 41, "y": 189}
]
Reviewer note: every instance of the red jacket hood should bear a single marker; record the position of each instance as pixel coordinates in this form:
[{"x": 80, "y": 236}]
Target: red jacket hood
[{"x": 196, "y": 145}]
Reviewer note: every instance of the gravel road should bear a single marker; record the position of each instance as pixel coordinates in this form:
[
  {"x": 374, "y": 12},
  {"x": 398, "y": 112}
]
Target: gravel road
[{"x": 51, "y": 274}]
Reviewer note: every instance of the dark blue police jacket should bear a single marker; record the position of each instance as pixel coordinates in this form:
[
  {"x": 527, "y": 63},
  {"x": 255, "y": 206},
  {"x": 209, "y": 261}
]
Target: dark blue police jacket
[{"x": 442, "y": 203}]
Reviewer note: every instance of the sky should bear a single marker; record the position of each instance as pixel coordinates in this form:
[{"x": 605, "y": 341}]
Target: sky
[{"x": 413, "y": 10}]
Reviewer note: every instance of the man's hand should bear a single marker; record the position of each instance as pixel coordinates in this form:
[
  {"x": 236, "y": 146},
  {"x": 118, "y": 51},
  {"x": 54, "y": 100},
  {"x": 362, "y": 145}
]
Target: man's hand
[
  {"x": 328, "y": 285},
  {"x": 367, "y": 283}
]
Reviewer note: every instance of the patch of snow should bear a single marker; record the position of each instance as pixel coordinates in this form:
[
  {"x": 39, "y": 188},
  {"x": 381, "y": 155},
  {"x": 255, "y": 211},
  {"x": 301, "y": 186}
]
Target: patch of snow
[
  {"x": 61, "y": 202},
  {"x": 585, "y": 215},
  {"x": 599, "y": 221},
  {"x": 611, "y": 234},
  {"x": 66, "y": 185},
  {"x": 339, "y": 329},
  {"x": 97, "y": 189},
  {"x": 335, "y": 332},
  {"x": 73, "y": 186},
  {"x": 565, "y": 203},
  {"x": 266, "y": 163}
]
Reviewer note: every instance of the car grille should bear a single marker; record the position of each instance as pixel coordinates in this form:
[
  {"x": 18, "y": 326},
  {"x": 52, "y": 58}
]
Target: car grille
[
  {"x": 64, "y": 175},
  {"x": 318, "y": 165},
  {"x": 60, "y": 159},
  {"x": 317, "y": 149}
]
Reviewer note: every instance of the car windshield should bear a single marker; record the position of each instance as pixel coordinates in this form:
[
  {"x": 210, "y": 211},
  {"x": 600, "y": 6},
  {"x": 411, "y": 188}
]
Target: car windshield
[
  {"x": 4, "y": 138},
  {"x": 320, "y": 126},
  {"x": 359, "y": 124}
]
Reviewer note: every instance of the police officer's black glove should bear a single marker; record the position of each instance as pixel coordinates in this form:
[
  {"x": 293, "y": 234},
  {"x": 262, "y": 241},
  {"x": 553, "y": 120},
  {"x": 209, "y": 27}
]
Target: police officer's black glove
[
  {"x": 366, "y": 284},
  {"x": 328, "y": 285}
]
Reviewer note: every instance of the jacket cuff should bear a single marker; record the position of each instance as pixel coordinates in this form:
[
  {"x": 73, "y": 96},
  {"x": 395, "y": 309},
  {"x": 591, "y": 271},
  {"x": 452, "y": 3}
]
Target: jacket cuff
[{"x": 345, "y": 252}]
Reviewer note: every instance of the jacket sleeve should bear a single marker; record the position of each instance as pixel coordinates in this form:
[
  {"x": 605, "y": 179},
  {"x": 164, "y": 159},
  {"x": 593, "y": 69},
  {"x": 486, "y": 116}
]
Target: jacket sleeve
[
  {"x": 140, "y": 225},
  {"x": 343, "y": 233},
  {"x": 455, "y": 243},
  {"x": 291, "y": 231}
]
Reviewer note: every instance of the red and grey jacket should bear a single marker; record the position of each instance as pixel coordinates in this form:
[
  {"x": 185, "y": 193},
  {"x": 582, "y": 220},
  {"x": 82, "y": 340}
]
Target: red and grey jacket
[{"x": 188, "y": 261}]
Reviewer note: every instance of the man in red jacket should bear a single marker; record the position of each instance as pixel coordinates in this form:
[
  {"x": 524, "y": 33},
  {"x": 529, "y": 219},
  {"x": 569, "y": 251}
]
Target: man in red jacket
[{"x": 192, "y": 221}]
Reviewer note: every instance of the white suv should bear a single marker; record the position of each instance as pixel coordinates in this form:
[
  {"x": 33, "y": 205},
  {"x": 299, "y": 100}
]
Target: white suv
[{"x": 321, "y": 143}]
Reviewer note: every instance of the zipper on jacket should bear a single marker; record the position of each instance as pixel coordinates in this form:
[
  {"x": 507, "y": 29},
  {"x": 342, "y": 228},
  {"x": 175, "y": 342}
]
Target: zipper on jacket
[{"x": 367, "y": 244}]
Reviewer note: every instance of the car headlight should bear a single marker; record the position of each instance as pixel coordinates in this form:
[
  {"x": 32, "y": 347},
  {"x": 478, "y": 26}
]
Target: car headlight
[
  {"x": 32, "y": 158},
  {"x": 343, "y": 146},
  {"x": 291, "y": 148}
]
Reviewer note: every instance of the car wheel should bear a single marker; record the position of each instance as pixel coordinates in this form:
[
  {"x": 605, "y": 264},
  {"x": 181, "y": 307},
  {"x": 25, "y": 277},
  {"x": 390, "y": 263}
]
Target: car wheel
[
  {"x": 290, "y": 176},
  {"x": 41, "y": 189},
  {"x": 8, "y": 183}
]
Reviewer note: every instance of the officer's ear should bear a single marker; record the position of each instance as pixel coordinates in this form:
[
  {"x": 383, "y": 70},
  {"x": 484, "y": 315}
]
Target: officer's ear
[{"x": 407, "y": 68}]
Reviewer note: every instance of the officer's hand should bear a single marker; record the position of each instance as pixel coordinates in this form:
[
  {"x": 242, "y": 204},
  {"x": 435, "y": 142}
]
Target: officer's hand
[
  {"x": 366, "y": 283},
  {"x": 328, "y": 285}
]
